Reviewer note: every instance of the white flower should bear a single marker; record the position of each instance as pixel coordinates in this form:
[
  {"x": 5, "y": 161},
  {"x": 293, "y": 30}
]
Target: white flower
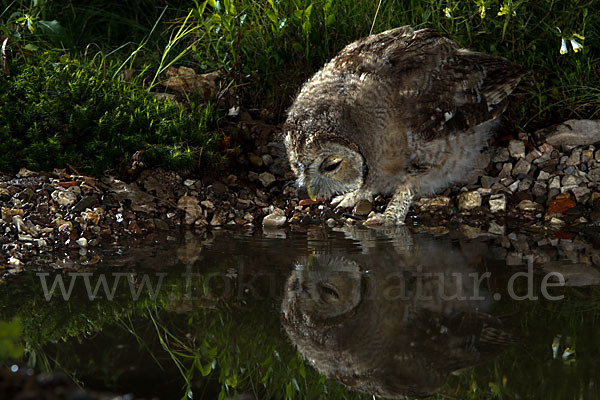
[
  {"x": 563, "y": 47},
  {"x": 576, "y": 45}
]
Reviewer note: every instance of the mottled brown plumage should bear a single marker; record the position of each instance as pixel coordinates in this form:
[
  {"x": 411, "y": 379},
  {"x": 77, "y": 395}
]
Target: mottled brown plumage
[{"x": 402, "y": 112}]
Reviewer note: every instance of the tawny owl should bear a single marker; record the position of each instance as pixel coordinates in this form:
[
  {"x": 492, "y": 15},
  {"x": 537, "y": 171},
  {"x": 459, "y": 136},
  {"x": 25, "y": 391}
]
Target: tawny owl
[{"x": 402, "y": 112}]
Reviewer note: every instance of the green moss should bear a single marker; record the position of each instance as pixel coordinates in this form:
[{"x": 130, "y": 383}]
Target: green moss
[{"x": 68, "y": 113}]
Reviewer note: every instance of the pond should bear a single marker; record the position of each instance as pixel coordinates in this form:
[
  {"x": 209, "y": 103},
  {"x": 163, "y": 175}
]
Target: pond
[{"x": 339, "y": 313}]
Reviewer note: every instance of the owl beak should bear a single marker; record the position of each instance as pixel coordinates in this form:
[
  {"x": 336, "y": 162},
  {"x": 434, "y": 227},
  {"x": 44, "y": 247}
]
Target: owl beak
[{"x": 311, "y": 193}]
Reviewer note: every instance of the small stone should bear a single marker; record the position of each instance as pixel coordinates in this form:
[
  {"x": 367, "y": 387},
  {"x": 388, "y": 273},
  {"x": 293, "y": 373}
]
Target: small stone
[
  {"x": 514, "y": 186},
  {"x": 570, "y": 181},
  {"x": 267, "y": 159},
  {"x": 543, "y": 176},
  {"x": 82, "y": 242},
  {"x": 581, "y": 193},
  {"x": 255, "y": 160},
  {"x": 539, "y": 188},
  {"x": 274, "y": 220},
  {"x": 516, "y": 149},
  {"x": 432, "y": 203},
  {"x": 64, "y": 197},
  {"x": 533, "y": 155},
  {"x": 207, "y": 204},
  {"x": 8, "y": 213},
  {"x": 488, "y": 181},
  {"x": 525, "y": 184},
  {"x": 530, "y": 206},
  {"x": 522, "y": 167},
  {"x": 594, "y": 174},
  {"x": 189, "y": 183},
  {"x": 560, "y": 206},
  {"x": 554, "y": 183},
  {"x": 469, "y": 200},
  {"x": 266, "y": 178},
  {"x": 497, "y": 202},
  {"x": 501, "y": 155},
  {"x": 574, "y": 158},
  {"x": 91, "y": 216},
  {"x": 331, "y": 222},
  {"x": 86, "y": 202},
  {"x": 217, "y": 219},
  {"x": 587, "y": 156},
  {"x": 363, "y": 207}
]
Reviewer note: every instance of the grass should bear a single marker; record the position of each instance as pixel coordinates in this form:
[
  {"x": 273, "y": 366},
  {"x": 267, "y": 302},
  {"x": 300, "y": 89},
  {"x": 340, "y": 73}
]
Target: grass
[{"x": 268, "y": 48}]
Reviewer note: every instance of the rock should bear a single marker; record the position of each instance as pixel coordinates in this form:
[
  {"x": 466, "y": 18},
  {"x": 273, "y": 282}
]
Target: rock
[
  {"x": 543, "y": 176},
  {"x": 525, "y": 184},
  {"x": 9, "y": 213},
  {"x": 497, "y": 202},
  {"x": 469, "y": 200},
  {"x": 432, "y": 203},
  {"x": 266, "y": 178},
  {"x": 207, "y": 204},
  {"x": 516, "y": 149},
  {"x": 189, "y": 183},
  {"x": 267, "y": 159},
  {"x": 530, "y": 206},
  {"x": 594, "y": 174},
  {"x": 501, "y": 155},
  {"x": 363, "y": 207},
  {"x": 554, "y": 183},
  {"x": 570, "y": 181},
  {"x": 574, "y": 158},
  {"x": 82, "y": 242},
  {"x": 86, "y": 202},
  {"x": 488, "y": 181},
  {"x": 274, "y": 220},
  {"x": 539, "y": 189},
  {"x": 191, "y": 207},
  {"x": 574, "y": 132},
  {"x": 506, "y": 170},
  {"x": 560, "y": 206},
  {"x": 522, "y": 167},
  {"x": 255, "y": 160},
  {"x": 64, "y": 197},
  {"x": 581, "y": 193}
]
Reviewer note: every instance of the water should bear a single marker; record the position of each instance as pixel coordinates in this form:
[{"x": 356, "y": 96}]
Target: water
[{"x": 323, "y": 313}]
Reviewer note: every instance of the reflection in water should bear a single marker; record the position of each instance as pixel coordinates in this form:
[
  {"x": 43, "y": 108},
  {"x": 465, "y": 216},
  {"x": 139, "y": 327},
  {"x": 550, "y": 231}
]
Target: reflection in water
[{"x": 394, "y": 320}]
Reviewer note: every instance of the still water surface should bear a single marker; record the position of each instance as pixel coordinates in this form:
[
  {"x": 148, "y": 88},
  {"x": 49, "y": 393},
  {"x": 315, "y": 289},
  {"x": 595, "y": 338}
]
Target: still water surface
[{"x": 349, "y": 314}]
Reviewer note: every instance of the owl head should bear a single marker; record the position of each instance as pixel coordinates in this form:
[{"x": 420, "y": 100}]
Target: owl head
[{"x": 326, "y": 167}]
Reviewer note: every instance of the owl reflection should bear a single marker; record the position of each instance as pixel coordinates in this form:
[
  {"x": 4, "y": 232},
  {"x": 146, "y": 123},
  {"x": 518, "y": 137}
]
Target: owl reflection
[
  {"x": 390, "y": 324},
  {"x": 399, "y": 113}
]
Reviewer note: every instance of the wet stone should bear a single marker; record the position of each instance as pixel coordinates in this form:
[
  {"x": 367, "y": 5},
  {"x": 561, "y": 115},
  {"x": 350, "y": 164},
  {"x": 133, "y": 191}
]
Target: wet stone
[
  {"x": 363, "y": 207},
  {"x": 469, "y": 200},
  {"x": 497, "y": 202},
  {"x": 85, "y": 202},
  {"x": 64, "y": 197},
  {"x": 274, "y": 220}
]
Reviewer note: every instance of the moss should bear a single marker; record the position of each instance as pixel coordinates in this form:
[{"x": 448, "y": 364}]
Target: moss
[{"x": 68, "y": 113}]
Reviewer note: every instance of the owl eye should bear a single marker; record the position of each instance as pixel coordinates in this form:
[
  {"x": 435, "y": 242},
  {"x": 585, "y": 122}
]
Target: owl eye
[
  {"x": 329, "y": 292},
  {"x": 331, "y": 165}
]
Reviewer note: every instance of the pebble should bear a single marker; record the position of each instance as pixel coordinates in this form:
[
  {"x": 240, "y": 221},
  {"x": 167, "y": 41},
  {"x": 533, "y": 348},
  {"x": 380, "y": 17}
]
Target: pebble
[
  {"x": 516, "y": 149},
  {"x": 497, "y": 202},
  {"x": 572, "y": 133},
  {"x": 502, "y": 155},
  {"x": 266, "y": 178},
  {"x": 469, "y": 200},
  {"x": 274, "y": 220},
  {"x": 522, "y": 167},
  {"x": 82, "y": 242},
  {"x": 64, "y": 197},
  {"x": 191, "y": 207},
  {"x": 363, "y": 207}
]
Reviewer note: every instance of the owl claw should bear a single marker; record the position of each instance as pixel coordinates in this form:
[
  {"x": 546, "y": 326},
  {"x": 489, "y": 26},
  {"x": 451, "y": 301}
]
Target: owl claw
[
  {"x": 350, "y": 199},
  {"x": 385, "y": 219}
]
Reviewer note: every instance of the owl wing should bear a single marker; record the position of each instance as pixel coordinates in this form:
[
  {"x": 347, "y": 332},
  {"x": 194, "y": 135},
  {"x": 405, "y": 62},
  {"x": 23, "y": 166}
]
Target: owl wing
[{"x": 439, "y": 88}]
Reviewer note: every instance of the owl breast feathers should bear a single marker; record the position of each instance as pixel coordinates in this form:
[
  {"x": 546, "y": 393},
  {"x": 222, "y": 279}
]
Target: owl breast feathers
[{"x": 402, "y": 112}]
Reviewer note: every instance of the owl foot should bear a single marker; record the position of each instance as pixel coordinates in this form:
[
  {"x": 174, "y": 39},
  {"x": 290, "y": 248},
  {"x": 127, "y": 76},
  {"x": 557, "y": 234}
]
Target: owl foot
[
  {"x": 396, "y": 210},
  {"x": 351, "y": 198}
]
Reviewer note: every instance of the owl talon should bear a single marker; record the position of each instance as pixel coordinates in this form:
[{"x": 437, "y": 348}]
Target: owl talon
[
  {"x": 385, "y": 219},
  {"x": 349, "y": 200}
]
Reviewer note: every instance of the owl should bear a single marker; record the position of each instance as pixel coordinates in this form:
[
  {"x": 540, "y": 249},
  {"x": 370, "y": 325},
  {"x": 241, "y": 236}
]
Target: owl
[{"x": 401, "y": 113}]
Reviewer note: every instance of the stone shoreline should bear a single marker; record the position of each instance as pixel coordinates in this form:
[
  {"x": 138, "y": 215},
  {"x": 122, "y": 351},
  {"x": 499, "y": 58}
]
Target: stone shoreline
[{"x": 549, "y": 181}]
